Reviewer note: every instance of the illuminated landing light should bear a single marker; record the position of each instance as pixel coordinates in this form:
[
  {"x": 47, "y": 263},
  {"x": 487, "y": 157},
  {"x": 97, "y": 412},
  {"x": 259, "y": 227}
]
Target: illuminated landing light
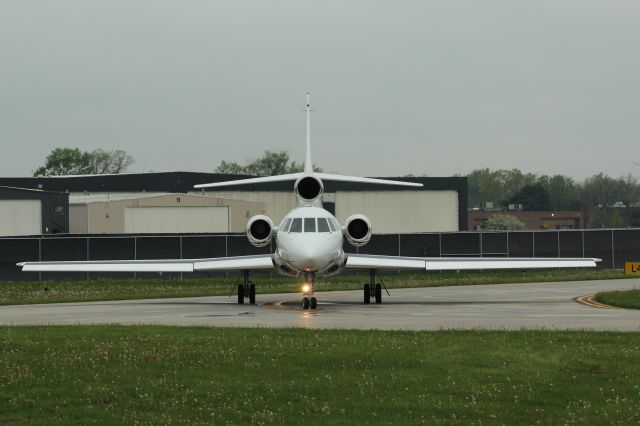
[{"x": 306, "y": 288}]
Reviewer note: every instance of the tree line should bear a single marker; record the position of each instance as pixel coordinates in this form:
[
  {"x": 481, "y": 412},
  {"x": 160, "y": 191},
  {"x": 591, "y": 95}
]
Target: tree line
[{"x": 607, "y": 201}]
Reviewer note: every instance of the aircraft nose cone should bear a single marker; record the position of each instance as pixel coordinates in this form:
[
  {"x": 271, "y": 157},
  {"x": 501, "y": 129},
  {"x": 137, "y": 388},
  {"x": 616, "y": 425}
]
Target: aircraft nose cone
[{"x": 309, "y": 258}]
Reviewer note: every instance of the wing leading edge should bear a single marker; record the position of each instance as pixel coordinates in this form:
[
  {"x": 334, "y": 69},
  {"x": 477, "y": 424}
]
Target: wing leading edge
[
  {"x": 360, "y": 261},
  {"x": 253, "y": 263}
]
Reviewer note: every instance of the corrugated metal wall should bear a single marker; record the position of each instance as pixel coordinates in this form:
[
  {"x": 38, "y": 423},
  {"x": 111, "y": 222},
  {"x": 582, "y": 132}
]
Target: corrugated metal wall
[
  {"x": 20, "y": 217},
  {"x": 277, "y": 204},
  {"x": 140, "y": 220},
  {"x": 389, "y": 211},
  {"x": 402, "y": 211}
]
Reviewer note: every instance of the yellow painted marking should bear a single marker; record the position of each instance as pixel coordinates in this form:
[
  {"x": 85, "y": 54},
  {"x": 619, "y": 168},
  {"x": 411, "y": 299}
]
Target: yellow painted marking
[
  {"x": 589, "y": 300},
  {"x": 632, "y": 268}
]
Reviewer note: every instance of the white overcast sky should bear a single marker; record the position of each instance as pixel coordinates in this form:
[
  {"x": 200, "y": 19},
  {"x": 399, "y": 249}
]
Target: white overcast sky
[{"x": 422, "y": 87}]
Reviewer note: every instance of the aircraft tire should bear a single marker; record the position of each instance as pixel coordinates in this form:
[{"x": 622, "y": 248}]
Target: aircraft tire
[
  {"x": 252, "y": 294},
  {"x": 378, "y": 294},
  {"x": 305, "y": 303},
  {"x": 367, "y": 294},
  {"x": 313, "y": 303},
  {"x": 240, "y": 294}
]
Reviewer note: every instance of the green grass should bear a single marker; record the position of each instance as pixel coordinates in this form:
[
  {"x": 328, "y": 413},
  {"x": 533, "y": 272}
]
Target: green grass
[
  {"x": 160, "y": 375},
  {"x": 12, "y": 293},
  {"x": 624, "y": 299}
]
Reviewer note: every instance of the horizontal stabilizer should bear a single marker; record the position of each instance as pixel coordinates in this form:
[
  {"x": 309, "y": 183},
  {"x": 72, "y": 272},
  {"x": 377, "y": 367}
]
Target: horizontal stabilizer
[
  {"x": 342, "y": 178},
  {"x": 295, "y": 176},
  {"x": 264, "y": 179}
]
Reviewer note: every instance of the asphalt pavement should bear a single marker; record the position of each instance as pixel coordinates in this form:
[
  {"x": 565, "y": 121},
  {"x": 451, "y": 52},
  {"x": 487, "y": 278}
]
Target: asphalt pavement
[{"x": 500, "y": 306}]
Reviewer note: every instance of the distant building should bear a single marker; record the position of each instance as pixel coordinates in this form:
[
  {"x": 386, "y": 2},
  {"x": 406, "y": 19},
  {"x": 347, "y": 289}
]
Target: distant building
[{"x": 532, "y": 219}]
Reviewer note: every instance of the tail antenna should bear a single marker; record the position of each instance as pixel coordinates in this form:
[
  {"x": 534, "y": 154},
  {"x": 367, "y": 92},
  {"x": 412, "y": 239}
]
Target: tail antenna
[{"x": 308, "y": 165}]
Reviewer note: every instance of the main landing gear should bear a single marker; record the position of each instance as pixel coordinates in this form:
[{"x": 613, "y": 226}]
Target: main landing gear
[
  {"x": 372, "y": 289},
  {"x": 247, "y": 289},
  {"x": 309, "y": 301}
]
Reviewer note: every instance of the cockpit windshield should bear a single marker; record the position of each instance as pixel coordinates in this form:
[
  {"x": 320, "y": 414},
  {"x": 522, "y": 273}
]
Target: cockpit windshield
[
  {"x": 311, "y": 224},
  {"x": 296, "y": 225},
  {"x": 323, "y": 225}
]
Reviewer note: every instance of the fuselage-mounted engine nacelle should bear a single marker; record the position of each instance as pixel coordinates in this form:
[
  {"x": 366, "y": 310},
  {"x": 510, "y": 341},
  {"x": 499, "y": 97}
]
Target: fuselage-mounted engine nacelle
[
  {"x": 357, "y": 230},
  {"x": 260, "y": 230},
  {"x": 308, "y": 188}
]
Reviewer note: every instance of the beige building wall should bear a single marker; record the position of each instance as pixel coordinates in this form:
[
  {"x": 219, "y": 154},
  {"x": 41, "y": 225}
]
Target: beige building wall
[
  {"x": 277, "y": 204},
  {"x": 401, "y": 211},
  {"x": 20, "y": 217},
  {"x": 78, "y": 219},
  {"x": 167, "y": 220},
  {"x": 108, "y": 217}
]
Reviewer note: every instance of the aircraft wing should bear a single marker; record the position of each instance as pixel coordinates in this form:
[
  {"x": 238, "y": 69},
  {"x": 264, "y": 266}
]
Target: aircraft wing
[
  {"x": 252, "y": 263},
  {"x": 364, "y": 261}
]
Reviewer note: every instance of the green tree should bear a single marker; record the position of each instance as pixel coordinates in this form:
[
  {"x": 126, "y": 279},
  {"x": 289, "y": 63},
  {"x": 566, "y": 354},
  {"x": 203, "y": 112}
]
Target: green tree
[
  {"x": 109, "y": 162},
  {"x": 270, "y": 164},
  {"x": 629, "y": 191},
  {"x": 562, "y": 190},
  {"x": 600, "y": 190},
  {"x": 504, "y": 222},
  {"x": 532, "y": 197},
  {"x": 496, "y": 186},
  {"x": 72, "y": 161}
]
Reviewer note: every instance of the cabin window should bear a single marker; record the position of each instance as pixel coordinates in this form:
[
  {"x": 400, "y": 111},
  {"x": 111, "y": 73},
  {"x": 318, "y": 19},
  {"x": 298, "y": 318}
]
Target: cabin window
[
  {"x": 309, "y": 224},
  {"x": 285, "y": 227},
  {"x": 296, "y": 225},
  {"x": 323, "y": 225}
]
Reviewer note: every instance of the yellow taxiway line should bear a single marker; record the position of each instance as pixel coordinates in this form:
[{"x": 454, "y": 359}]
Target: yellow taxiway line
[{"x": 590, "y": 300}]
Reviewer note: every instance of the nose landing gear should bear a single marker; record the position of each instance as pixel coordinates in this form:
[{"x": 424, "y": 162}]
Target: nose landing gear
[{"x": 309, "y": 301}]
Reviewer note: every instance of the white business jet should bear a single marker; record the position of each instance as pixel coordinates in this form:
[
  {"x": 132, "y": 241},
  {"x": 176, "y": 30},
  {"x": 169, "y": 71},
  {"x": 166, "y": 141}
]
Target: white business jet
[{"x": 309, "y": 243}]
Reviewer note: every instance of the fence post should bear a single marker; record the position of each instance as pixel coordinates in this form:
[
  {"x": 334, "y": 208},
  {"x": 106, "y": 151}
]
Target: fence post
[
  {"x": 613, "y": 252},
  {"x": 533, "y": 244},
  {"x": 135, "y": 254},
  {"x": 40, "y": 257},
  {"x": 88, "y": 256},
  {"x": 508, "y": 253}
]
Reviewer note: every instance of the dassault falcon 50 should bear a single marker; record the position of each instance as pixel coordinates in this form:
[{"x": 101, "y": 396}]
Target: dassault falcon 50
[{"x": 309, "y": 243}]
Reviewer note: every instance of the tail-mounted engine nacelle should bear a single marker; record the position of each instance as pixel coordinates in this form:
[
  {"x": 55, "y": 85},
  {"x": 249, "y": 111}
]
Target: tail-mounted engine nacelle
[
  {"x": 260, "y": 230},
  {"x": 357, "y": 230},
  {"x": 308, "y": 188}
]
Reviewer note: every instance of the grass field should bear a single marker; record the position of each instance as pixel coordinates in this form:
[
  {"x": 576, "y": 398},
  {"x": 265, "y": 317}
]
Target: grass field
[
  {"x": 79, "y": 291},
  {"x": 624, "y": 299},
  {"x": 160, "y": 375}
]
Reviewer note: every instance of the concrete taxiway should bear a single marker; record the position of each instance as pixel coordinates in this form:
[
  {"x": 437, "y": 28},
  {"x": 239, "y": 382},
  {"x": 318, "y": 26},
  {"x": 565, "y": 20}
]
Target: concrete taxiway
[{"x": 501, "y": 306}]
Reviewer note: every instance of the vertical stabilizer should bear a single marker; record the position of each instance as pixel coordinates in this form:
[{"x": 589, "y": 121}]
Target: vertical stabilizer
[{"x": 308, "y": 165}]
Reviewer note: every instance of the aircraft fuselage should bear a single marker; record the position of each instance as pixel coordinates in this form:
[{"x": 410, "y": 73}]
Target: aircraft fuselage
[{"x": 309, "y": 240}]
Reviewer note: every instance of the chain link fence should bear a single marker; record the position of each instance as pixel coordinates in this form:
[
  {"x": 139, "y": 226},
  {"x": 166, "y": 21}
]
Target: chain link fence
[{"x": 613, "y": 246}]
